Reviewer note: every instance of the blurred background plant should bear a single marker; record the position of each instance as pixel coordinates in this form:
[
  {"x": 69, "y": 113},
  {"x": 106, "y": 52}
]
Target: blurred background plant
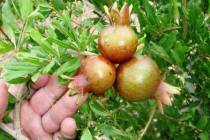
[{"x": 49, "y": 36}]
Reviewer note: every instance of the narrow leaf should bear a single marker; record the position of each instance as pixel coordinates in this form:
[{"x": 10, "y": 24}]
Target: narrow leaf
[
  {"x": 5, "y": 47},
  {"x": 110, "y": 130},
  {"x": 25, "y": 7},
  {"x": 58, "y": 4},
  {"x": 98, "y": 109},
  {"x": 8, "y": 18},
  {"x": 69, "y": 67},
  {"x": 86, "y": 135},
  {"x": 159, "y": 51}
]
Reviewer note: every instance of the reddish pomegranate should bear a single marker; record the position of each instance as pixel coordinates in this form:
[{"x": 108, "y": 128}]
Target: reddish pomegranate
[
  {"x": 118, "y": 42},
  {"x": 139, "y": 79},
  {"x": 96, "y": 75}
]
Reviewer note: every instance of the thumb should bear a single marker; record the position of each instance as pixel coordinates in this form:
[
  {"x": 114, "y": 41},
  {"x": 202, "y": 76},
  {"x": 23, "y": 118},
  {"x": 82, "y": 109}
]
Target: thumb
[{"x": 3, "y": 98}]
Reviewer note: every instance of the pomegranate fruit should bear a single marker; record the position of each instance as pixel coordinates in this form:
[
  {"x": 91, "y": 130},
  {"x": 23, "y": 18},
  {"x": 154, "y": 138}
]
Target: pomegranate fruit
[
  {"x": 139, "y": 79},
  {"x": 118, "y": 42},
  {"x": 96, "y": 75}
]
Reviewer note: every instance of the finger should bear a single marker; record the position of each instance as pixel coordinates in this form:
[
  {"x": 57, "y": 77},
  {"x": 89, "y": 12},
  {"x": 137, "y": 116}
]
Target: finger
[
  {"x": 59, "y": 136},
  {"x": 64, "y": 108},
  {"x": 67, "y": 129},
  {"x": 3, "y": 98},
  {"x": 41, "y": 82},
  {"x": 46, "y": 96},
  {"x": 31, "y": 123}
]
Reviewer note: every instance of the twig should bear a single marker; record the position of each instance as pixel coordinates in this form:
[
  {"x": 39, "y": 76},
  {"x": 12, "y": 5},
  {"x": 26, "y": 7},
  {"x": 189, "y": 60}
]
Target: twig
[
  {"x": 17, "y": 120},
  {"x": 5, "y": 128},
  {"x": 168, "y": 29},
  {"x": 21, "y": 35},
  {"x": 76, "y": 23},
  {"x": 152, "y": 113}
]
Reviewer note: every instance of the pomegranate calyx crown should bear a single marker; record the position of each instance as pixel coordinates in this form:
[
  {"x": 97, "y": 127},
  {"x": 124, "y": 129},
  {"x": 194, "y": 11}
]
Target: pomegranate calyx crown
[{"x": 117, "y": 17}]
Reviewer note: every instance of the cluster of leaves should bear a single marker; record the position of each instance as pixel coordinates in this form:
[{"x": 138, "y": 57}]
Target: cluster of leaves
[
  {"x": 41, "y": 40},
  {"x": 174, "y": 33}
]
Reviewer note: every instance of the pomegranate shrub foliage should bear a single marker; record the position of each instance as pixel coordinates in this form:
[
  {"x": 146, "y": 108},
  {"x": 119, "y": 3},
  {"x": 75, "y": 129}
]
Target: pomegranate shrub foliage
[{"x": 51, "y": 37}]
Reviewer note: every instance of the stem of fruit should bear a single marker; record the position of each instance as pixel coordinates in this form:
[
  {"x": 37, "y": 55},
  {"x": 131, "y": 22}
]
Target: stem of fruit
[
  {"x": 14, "y": 134},
  {"x": 152, "y": 113}
]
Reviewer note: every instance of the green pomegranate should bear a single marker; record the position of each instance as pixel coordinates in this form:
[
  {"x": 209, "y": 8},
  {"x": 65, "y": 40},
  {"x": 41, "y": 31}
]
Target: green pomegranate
[
  {"x": 139, "y": 79},
  {"x": 118, "y": 42},
  {"x": 96, "y": 75}
]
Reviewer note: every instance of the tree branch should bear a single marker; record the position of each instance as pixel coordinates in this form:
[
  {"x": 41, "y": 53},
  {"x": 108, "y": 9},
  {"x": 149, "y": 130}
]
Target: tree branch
[
  {"x": 14, "y": 134},
  {"x": 152, "y": 113}
]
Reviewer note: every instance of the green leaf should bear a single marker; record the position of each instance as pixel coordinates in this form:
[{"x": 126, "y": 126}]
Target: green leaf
[
  {"x": 10, "y": 33},
  {"x": 71, "y": 31},
  {"x": 159, "y": 51},
  {"x": 15, "y": 77},
  {"x": 202, "y": 122},
  {"x": 204, "y": 136},
  {"x": 58, "y": 4},
  {"x": 8, "y": 18},
  {"x": 150, "y": 13},
  {"x": 18, "y": 71},
  {"x": 59, "y": 42},
  {"x": 49, "y": 67},
  {"x": 83, "y": 39},
  {"x": 5, "y": 136},
  {"x": 209, "y": 94},
  {"x": 25, "y": 7},
  {"x": 86, "y": 135},
  {"x": 12, "y": 99},
  {"x": 58, "y": 25},
  {"x": 39, "y": 39},
  {"x": 36, "y": 14},
  {"x": 178, "y": 53},
  {"x": 35, "y": 77},
  {"x": 70, "y": 67},
  {"x": 110, "y": 130},
  {"x": 169, "y": 40},
  {"x": 98, "y": 109},
  {"x": 100, "y": 4},
  {"x": 174, "y": 6},
  {"x": 21, "y": 66},
  {"x": 32, "y": 57},
  {"x": 5, "y": 47}
]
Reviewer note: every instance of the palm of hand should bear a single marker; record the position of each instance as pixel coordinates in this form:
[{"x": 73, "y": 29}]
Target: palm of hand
[{"x": 48, "y": 114}]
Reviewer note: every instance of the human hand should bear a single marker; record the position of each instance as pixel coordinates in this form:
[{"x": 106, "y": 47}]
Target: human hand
[
  {"x": 48, "y": 113},
  {"x": 3, "y": 98}
]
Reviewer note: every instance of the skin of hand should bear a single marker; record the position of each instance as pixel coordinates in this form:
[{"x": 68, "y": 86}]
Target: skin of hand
[
  {"x": 3, "y": 98},
  {"x": 48, "y": 114}
]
